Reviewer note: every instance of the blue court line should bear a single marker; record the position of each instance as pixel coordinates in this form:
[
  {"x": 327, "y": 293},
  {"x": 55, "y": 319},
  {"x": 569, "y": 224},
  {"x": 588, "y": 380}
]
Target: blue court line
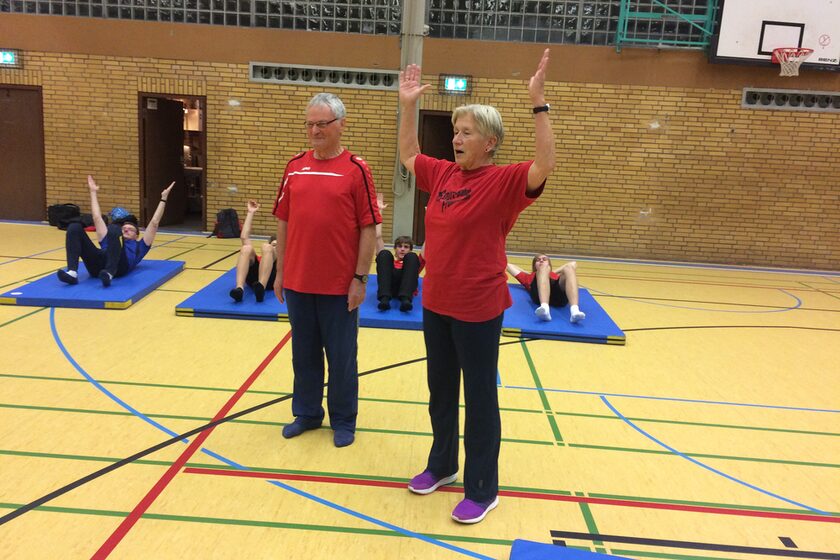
[
  {"x": 648, "y": 302},
  {"x": 322, "y": 501},
  {"x": 675, "y": 399},
  {"x": 498, "y": 379},
  {"x": 705, "y": 466}
]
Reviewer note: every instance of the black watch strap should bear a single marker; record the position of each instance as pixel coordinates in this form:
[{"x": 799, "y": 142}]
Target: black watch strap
[
  {"x": 541, "y": 109},
  {"x": 361, "y": 278}
]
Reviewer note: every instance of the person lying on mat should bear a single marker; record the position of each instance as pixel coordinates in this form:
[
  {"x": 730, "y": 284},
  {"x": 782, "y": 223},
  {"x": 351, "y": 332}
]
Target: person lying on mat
[
  {"x": 547, "y": 287},
  {"x": 120, "y": 247},
  {"x": 396, "y": 274},
  {"x": 255, "y": 270}
]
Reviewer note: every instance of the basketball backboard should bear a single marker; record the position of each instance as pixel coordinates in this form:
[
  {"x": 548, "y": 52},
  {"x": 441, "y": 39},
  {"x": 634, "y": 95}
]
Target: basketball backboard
[{"x": 747, "y": 31}]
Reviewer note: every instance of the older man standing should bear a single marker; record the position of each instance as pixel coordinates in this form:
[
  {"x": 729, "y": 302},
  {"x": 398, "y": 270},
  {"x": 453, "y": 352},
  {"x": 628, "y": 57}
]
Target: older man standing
[{"x": 326, "y": 217}]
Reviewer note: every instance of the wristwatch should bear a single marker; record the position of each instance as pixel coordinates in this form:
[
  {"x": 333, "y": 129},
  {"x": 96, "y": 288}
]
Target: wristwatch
[
  {"x": 361, "y": 278},
  {"x": 541, "y": 109}
]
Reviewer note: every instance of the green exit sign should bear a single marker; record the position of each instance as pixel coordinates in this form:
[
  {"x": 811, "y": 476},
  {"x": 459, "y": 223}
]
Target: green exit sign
[
  {"x": 455, "y": 85},
  {"x": 9, "y": 58}
]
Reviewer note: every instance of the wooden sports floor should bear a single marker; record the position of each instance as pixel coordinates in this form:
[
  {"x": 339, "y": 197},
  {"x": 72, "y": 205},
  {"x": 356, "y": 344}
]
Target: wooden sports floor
[{"x": 713, "y": 433}]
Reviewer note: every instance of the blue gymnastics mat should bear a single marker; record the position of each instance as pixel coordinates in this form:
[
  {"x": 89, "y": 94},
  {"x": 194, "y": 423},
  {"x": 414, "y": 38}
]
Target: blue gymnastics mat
[
  {"x": 529, "y": 550},
  {"x": 598, "y": 327},
  {"x": 89, "y": 293},
  {"x": 214, "y": 301}
]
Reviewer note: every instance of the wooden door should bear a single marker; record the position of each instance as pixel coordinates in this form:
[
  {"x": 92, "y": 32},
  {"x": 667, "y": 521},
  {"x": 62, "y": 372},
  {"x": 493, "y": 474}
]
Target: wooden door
[
  {"x": 23, "y": 185},
  {"x": 162, "y": 153},
  {"x": 435, "y": 141}
]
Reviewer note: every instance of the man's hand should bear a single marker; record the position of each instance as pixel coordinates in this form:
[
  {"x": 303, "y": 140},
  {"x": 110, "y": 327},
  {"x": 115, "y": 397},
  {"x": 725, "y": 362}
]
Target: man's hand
[
  {"x": 92, "y": 184},
  {"x": 355, "y": 294},
  {"x": 380, "y": 201},
  {"x": 253, "y": 206}
]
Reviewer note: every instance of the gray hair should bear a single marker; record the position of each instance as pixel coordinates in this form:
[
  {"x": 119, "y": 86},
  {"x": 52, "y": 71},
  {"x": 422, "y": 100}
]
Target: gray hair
[
  {"x": 488, "y": 121},
  {"x": 332, "y": 101}
]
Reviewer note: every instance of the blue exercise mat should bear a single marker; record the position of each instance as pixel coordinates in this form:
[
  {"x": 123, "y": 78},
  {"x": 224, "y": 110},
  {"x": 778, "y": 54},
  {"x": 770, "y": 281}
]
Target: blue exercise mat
[
  {"x": 598, "y": 327},
  {"x": 214, "y": 301},
  {"x": 529, "y": 550},
  {"x": 89, "y": 293}
]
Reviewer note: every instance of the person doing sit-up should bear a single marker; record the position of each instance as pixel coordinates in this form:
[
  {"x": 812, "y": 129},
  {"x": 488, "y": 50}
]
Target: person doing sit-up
[
  {"x": 396, "y": 274},
  {"x": 550, "y": 287},
  {"x": 257, "y": 271},
  {"x": 120, "y": 247}
]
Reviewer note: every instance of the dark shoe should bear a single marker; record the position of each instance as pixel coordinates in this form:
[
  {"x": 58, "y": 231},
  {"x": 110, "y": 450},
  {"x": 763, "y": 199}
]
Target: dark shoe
[
  {"x": 343, "y": 438},
  {"x": 66, "y": 278},
  {"x": 405, "y": 304},
  {"x": 106, "y": 278},
  {"x": 236, "y": 294},
  {"x": 384, "y": 303},
  {"x": 259, "y": 291},
  {"x": 299, "y": 426}
]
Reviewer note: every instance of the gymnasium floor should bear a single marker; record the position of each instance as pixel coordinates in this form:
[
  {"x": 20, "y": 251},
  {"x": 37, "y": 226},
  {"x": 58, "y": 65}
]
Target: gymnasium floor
[{"x": 713, "y": 433}]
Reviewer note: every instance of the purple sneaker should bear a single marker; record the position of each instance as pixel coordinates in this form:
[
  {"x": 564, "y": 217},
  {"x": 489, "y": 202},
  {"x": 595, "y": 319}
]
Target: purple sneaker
[
  {"x": 426, "y": 482},
  {"x": 469, "y": 511}
]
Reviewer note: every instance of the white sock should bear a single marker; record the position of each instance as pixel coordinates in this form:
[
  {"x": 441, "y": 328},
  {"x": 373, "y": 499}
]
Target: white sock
[
  {"x": 576, "y": 314},
  {"x": 543, "y": 312},
  {"x": 73, "y": 273}
]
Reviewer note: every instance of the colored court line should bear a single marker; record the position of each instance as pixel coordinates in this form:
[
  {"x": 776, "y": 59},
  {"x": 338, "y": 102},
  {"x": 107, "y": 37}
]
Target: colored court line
[
  {"x": 524, "y": 494},
  {"x": 16, "y": 259},
  {"x": 672, "y": 306},
  {"x": 705, "y": 466},
  {"x": 673, "y": 399},
  {"x": 203, "y": 433},
  {"x": 112, "y": 541},
  {"x": 695, "y": 545},
  {"x": 552, "y": 420},
  {"x": 24, "y": 316}
]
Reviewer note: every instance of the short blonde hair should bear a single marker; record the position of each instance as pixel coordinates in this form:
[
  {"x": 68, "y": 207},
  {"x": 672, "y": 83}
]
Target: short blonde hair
[{"x": 487, "y": 119}]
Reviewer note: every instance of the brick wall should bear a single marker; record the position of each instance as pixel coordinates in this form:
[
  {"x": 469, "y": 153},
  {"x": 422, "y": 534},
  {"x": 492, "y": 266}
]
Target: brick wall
[{"x": 643, "y": 171}]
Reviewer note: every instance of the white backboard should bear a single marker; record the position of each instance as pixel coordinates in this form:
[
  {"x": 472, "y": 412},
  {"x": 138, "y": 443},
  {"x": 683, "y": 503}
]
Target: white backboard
[{"x": 747, "y": 31}]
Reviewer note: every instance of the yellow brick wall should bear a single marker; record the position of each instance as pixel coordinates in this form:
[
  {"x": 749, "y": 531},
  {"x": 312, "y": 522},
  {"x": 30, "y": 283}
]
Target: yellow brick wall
[{"x": 643, "y": 172}]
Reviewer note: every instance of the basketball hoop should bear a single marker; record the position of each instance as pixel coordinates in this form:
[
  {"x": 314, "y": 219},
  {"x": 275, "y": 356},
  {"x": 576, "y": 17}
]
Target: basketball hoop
[{"x": 790, "y": 59}]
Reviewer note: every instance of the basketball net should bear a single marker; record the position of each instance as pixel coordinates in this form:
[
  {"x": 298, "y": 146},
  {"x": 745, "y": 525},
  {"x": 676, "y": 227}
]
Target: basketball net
[{"x": 790, "y": 59}]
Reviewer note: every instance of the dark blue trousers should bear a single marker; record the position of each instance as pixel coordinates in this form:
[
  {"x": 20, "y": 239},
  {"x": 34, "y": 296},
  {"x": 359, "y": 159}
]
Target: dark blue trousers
[
  {"x": 453, "y": 346},
  {"x": 322, "y": 325},
  {"x": 79, "y": 246}
]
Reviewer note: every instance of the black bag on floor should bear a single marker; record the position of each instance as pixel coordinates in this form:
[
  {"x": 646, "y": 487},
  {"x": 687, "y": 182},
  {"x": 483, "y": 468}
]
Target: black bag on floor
[
  {"x": 58, "y": 213},
  {"x": 227, "y": 224}
]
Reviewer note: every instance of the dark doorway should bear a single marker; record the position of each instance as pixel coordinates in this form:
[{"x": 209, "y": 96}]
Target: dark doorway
[
  {"x": 23, "y": 185},
  {"x": 435, "y": 141},
  {"x": 172, "y": 148}
]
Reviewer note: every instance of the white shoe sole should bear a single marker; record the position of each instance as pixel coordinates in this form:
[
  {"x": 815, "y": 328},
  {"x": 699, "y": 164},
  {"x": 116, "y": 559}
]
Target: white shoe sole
[
  {"x": 490, "y": 508},
  {"x": 442, "y": 482}
]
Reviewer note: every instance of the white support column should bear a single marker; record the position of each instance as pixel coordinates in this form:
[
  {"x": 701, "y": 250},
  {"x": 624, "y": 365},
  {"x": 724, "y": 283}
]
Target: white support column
[{"x": 411, "y": 52}]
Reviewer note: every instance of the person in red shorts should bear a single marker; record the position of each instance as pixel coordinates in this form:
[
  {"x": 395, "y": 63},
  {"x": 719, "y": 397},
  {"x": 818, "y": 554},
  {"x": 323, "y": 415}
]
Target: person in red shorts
[
  {"x": 555, "y": 288},
  {"x": 257, "y": 271},
  {"x": 473, "y": 205},
  {"x": 326, "y": 217}
]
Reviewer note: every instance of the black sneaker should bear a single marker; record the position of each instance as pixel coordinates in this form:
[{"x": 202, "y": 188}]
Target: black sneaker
[
  {"x": 259, "y": 291},
  {"x": 405, "y": 304},
  {"x": 106, "y": 278},
  {"x": 67, "y": 278},
  {"x": 236, "y": 294},
  {"x": 384, "y": 303}
]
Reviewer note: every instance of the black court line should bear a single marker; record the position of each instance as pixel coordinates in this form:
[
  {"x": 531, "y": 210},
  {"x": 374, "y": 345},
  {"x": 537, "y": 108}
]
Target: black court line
[
  {"x": 221, "y": 259},
  {"x": 734, "y": 304},
  {"x": 693, "y": 545},
  {"x": 640, "y": 329}
]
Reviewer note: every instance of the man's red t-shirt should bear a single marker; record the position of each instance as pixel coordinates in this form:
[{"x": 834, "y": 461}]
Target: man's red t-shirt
[
  {"x": 326, "y": 203},
  {"x": 468, "y": 217}
]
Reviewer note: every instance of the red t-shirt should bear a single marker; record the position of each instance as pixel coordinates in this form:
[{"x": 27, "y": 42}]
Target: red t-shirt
[
  {"x": 468, "y": 218},
  {"x": 326, "y": 203},
  {"x": 526, "y": 278}
]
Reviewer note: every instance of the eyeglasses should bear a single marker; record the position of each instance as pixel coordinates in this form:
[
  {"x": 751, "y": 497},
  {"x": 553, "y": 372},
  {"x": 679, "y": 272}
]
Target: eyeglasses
[{"x": 320, "y": 125}]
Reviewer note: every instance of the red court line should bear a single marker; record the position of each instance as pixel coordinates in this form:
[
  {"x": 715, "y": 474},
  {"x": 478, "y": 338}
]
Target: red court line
[
  {"x": 525, "y": 495},
  {"x": 127, "y": 523}
]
